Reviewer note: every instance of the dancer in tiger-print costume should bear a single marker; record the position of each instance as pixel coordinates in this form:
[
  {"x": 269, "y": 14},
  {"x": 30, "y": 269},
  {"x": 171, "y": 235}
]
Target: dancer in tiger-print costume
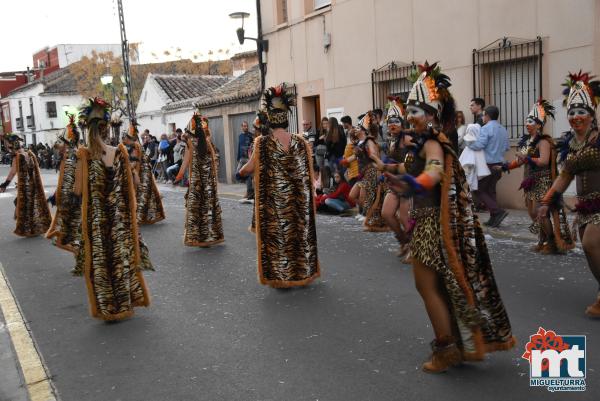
[
  {"x": 370, "y": 190},
  {"x": 537, "y": 153},
  {"x": 110, "y": 257},
  {"x": 579, "y": 152},
  {"x": 451, "y": 265},
  {"x": 32, "y": 214},
  {"x": 395, "y": 209},
  {"x": 65, "y": 228},
  {"x": 286, "y": 235},
  {"x": 203, "y": 225},
  {"x": 149, "y": 203}
]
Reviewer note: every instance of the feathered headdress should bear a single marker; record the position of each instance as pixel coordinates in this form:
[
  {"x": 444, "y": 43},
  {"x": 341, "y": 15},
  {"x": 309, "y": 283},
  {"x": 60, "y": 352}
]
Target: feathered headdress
[
  {"x": 133, "y": 132},
  {"x": 542, "y": 109},
  {"x": 396, "y": 112},
  {"x": 581, "y": 91},
  {"x": 95, "y": 109},
  {"x": 71, "y": 134},
  {"x": 430, "y": 92},
  {"x": 367, "y": 122},
  {"x": 277, "y": 101},
  {"x": 12, "y": 141},
  {"x": 198, "y": 124},
  {"x": 430, "y": 88},
  {"x": 261, "y": 122}
]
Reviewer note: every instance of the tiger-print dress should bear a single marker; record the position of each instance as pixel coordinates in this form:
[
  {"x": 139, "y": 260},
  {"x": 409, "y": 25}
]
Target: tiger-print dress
[
  {"x": 149, "y": 204},
  {"x": 286, "y": 235},
  {"x": 32, "y": 213},
  {"x": 375, "y": 191},
  {"x": 65, "y": 229},
  {"x": 447, "y": 237},
  {"x": 537, "y": 180},
  {"x": 203, "y": 225},
  {"x": 111, "y": 258}
]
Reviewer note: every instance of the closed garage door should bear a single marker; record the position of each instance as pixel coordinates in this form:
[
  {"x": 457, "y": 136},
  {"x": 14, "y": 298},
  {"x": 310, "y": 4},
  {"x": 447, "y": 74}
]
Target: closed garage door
[{"x": 216, "y": 128}]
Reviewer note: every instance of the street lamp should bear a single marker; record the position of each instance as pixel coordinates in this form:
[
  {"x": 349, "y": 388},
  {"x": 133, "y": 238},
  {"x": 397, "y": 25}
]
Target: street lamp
[
  {"x": 106, "y": 79},
  {"x": 262, "y": 46}
]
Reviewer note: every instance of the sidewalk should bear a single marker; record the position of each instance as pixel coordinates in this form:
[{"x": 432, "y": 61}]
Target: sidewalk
[
  {"x": 12, "y": 383},
  {"x": 515, "y": 226}
]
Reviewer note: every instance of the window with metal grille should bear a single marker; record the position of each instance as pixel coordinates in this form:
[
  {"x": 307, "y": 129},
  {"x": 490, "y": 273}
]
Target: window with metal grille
[
  {"x": 508, "y": 74},
  {"x": 51, "y": 109},
  {"x": 293, "y": 113},
  {"x": 19, "y": 123},
  {"x": 390, "y": 80},
  {"x": 29, "y": 120}
]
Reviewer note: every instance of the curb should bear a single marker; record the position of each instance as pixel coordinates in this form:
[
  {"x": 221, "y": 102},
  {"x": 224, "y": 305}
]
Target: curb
[{"x": 33, "y": 371}]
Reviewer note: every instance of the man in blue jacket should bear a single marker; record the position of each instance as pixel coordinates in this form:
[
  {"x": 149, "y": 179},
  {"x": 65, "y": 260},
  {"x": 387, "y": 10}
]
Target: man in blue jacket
[
  {"x": 245, "y": 142},
  {"x": 493, "y": 139}
]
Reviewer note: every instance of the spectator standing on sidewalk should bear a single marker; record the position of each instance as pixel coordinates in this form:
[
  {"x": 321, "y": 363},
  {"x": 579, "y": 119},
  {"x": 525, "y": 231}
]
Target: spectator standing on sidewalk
[
  {"x": 347, "y": 125},
  {"x": 493, "y": 140},
  {"x": 309, "y": 134},
  {"x": 476, "y": 107},
  {"x": 245, "y": 142}
]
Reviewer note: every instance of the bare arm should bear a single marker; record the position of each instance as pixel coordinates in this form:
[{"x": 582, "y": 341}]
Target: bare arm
[
  {"x": 186, "y": 162},
  {"x": 544, "y": 159},
  {"x": 247, "y": 168},
  {"x": 559, "y": 186},
  {"x": 11, "y": 173}
]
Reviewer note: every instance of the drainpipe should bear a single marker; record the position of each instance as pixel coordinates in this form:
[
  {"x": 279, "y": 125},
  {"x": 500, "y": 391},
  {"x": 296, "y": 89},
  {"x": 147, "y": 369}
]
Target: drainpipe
[{"x": 259, "y": 47}]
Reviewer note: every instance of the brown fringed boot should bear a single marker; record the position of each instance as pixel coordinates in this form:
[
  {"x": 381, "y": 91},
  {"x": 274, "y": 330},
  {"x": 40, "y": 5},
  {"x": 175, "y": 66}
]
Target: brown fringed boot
[
  {"x": 445, "y": 355},
  {"x": 593, "y": 310}
]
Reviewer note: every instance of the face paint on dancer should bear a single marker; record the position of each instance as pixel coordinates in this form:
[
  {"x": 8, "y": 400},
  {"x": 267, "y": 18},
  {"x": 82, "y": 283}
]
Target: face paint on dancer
[
  {"x": 417, "y": 117},
  {"x": 532, "y": 126},
  {"x": 580, "y": 119}
]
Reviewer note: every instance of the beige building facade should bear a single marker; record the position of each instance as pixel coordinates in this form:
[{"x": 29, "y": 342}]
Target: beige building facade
[{"x": 506, "y": 51}]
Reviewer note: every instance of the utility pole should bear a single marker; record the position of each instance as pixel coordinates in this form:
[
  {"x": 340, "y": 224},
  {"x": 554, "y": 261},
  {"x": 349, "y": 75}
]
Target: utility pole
[{"x": 126, "y": 66}]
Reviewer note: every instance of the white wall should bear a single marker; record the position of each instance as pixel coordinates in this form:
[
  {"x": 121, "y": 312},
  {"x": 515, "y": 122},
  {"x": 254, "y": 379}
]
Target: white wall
[
  {"x": 46, "y": 129},
  {"x": 152, "y": 97}
]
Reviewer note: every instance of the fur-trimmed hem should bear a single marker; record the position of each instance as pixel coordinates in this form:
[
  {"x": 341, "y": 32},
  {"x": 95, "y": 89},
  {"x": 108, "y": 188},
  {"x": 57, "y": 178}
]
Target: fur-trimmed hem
[
  {"x": 489, "y": 348},
  {"x": 204, "y": 244},
  {"x": 376, "y": 229},
  {"x": 58, "y": 241},
  {"x": 114, "y": 317},
  {"x": 149, "y": 222},
  {"x": 28, "y": 235},
  {"x": 290, "y": 284}
]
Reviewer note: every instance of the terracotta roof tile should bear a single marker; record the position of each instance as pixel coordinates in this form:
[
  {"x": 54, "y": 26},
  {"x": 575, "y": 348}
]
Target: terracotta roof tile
[
  {"x": 244, "y": 87},
  {"x": 181, "y": 87}
]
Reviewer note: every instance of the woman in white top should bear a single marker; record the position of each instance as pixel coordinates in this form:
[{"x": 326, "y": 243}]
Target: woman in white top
[{"x": 461, "y": 128}]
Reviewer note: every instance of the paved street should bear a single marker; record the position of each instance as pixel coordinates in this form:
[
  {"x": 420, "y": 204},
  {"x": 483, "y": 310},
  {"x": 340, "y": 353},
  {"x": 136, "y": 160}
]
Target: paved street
[{"x": 214, "y": 333}]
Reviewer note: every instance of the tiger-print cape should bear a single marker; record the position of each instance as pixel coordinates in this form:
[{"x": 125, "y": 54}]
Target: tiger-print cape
[
  {"x": 149, "y": 203},
  {"x": 110, "y": 256},
  {"x": 286, "y": 234},
  {"x": 32, "y": 213},
  {"x": 203, "y": 225},
  {"x": 476, "y": 306},
  {"x": 65, "y": 229}
]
